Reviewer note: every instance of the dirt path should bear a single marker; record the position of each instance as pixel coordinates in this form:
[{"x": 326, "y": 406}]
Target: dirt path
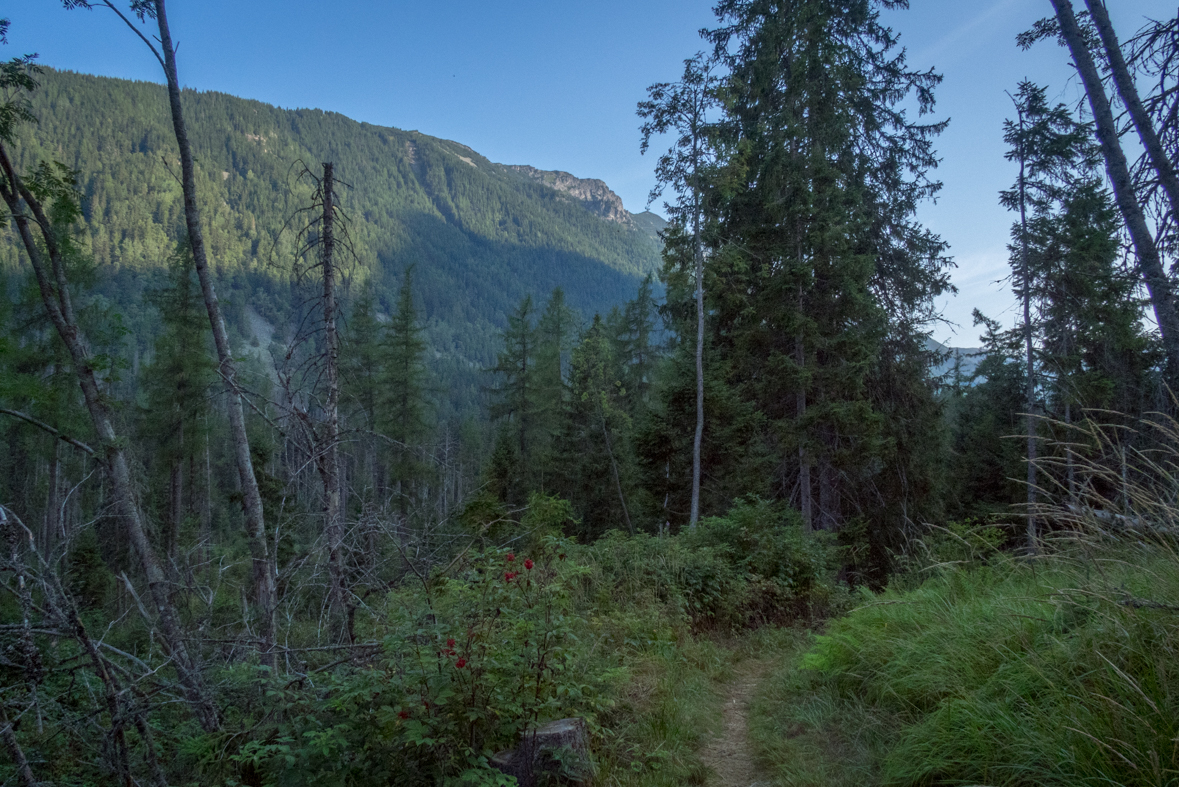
[{"x": 730, "y": 755}]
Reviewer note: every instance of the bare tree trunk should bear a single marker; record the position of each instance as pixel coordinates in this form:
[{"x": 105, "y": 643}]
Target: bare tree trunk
[
  {"x": 207, "y": 501},
  {"x": 30, "y": 655},
  {"x": 614, "y": 466},
  {"x": 328, "y": 450},
  {"x": 1030, "y": 370},
  {"x": 1129, "y": 94},
  {"x": 1069, "y": 458},
  {"x": 53, "y": 513},
  {"x": 58, "y": 306},
  {"x": 828, "y": 497},
  {"x": 264, "y": 569},
  {"x": 1149, "y": 261},
  {"x": 23, "y": 771},
  {"x": 175, "y": 505},
  {"x": 699, "y": 437},
  {"x": 804, "y": 465}
]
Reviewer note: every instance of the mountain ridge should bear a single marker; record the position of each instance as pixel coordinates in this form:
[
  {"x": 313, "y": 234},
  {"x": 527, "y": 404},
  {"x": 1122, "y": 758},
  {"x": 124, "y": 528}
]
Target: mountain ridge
[{"x": 479, "y": 235}]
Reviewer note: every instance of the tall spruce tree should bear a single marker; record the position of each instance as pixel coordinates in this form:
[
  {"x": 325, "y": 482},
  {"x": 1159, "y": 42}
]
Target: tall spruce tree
[
  {"x": 177, "y": 384},
  {"x": 404, "y": 418},
  {"x": 554, "y": 336},
  {"x": 1048, "y": 145},
  {"x": 594, "y": 445},
  {"x": 361, "y": 373},
  {"x": 516, "y": 394},
  {"x": 822, "y": 260}
]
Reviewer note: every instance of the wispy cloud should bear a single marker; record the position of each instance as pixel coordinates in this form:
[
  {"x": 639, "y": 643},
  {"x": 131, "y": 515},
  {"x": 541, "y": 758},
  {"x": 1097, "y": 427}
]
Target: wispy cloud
[{"x": 963, "y": 38}]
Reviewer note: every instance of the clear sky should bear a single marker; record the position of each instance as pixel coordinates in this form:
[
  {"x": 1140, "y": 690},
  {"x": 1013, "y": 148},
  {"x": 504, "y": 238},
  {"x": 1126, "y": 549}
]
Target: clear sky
[{"x": 555, "y": 84}]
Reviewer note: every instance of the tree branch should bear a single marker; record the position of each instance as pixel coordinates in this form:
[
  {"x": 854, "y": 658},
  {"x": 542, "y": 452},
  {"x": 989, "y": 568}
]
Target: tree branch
[{"x": 42, "y": 425}]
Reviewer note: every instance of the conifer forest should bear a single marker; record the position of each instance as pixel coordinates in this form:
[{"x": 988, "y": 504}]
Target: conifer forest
[{"x": 337, "y": 454}]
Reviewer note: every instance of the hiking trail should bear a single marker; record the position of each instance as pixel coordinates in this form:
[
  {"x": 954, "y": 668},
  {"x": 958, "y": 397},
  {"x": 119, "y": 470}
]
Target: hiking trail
[{"x": 730, "y": 753}]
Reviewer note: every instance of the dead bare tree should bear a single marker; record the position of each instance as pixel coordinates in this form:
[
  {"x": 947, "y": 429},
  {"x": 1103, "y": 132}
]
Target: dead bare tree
[
  {"x": 47, "y": 244},
  {"x": 320, "y": 240},
  {"x": 61, "y": 619},
  {"x": 263, "y": 562}
]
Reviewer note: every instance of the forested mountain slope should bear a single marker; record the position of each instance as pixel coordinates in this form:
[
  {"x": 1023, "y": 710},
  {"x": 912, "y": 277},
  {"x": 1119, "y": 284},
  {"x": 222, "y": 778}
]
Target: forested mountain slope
[{"x": 480, "y": 234}]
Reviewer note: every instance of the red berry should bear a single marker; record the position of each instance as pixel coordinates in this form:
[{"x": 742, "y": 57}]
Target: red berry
[
  {"x": 528, "y": 564},
  {"x": 403, "y": 714},
  {"x": 461, "y": 663},
  {"x": 511, "y": 556},
  {"x": 450, "y": 642}
]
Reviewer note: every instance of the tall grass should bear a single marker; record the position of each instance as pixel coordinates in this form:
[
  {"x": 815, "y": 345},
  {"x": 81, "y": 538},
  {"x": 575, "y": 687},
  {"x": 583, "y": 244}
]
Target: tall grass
[{"x": 1061, "y": 669}]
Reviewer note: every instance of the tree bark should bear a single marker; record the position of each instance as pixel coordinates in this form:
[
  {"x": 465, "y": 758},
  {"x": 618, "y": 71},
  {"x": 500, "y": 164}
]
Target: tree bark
[
  {"x": 828, "y": 497},
  {"x": 59, "y": 308},
  {"x": 175, "y": 505},
  {"x": 1128, "y": 92},
  {"x": 23, "y": 771},
  {"x": 1149, "y": 262},
  {"x": 328, "y": 450},
  {"x": 53, "y": 527},
  {"x": 1030, "y": 388},
  {"x": 265, "y": 597},
  {"x": 699, "y": 436},
  {"x": 614, "y": 466},
  {"x": 804, "y": 465}
]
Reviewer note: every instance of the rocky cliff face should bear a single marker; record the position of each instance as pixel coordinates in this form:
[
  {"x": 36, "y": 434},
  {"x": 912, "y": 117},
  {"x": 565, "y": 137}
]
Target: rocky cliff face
[{"x": 595, "y": 195}]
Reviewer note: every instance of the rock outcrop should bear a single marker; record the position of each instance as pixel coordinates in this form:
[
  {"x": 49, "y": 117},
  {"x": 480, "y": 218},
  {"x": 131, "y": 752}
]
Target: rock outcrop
[{"x": 594, "y": 194}]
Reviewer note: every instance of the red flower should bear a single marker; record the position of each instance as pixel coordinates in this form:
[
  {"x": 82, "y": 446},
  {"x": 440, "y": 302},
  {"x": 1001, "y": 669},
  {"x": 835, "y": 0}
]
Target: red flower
[
  {"x": 528, "y": 564},
  {"x": 511, "y": 556},
  {"x": 509, "y": 576},
  {"x": 403, "y": 714},
  {"x": 461, "y": 663},
  {"x": 450, "y": 642}
]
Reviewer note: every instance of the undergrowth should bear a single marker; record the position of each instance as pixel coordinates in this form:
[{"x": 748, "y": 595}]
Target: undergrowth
[
  {"x": 1057, "y": 671},
  {"x": 623, "y": 632}
]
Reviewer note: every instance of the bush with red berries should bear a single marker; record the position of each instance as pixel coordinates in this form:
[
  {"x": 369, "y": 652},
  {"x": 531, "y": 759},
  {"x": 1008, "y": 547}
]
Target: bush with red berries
[{"x": 469, "y": 660}]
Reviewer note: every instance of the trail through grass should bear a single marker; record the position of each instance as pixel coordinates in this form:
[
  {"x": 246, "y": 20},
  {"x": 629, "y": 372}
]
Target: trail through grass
[{"x": 729, "y": 755}]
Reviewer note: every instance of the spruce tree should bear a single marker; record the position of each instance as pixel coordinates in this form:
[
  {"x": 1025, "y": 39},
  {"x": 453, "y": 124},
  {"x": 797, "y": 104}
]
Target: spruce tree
[
  {"x": 176, "y": 385},
  {"x": 816, "y": 251},
  {"x": 361, "y": 374},
  {"x": 554, "y": 336},
  {"x": 516, "y": 394},
  {"x": 405, "y": 416},
  {"x": 594, "y": 448}
]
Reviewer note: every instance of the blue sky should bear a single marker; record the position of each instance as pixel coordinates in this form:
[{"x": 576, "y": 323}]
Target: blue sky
[{"x": 555, "y": 84}]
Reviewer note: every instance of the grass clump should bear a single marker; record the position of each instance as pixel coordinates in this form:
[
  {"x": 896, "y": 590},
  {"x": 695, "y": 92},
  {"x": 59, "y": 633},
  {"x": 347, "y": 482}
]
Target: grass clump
[{"x": 1060, "y": 671}]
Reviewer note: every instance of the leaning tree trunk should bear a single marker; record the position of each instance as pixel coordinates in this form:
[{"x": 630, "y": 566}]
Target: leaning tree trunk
[
  {"x": 1150, "y": 263},
  {"x": 58, "y": 306},
  {"x": 265, "y": 595},
  {"x": 1128, "y": 92}
]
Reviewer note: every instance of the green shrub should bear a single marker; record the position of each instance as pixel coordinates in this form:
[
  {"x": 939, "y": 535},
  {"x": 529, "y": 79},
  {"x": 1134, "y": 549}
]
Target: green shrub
[
  {"x": 467, "y": 663},
  {"x": 754, "y": 565},
  {"x": 1055, "y": 673}
]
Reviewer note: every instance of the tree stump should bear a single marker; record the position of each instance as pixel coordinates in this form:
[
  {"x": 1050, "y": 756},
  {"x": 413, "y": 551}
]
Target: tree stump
[{"x": 556, "y": 753}]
